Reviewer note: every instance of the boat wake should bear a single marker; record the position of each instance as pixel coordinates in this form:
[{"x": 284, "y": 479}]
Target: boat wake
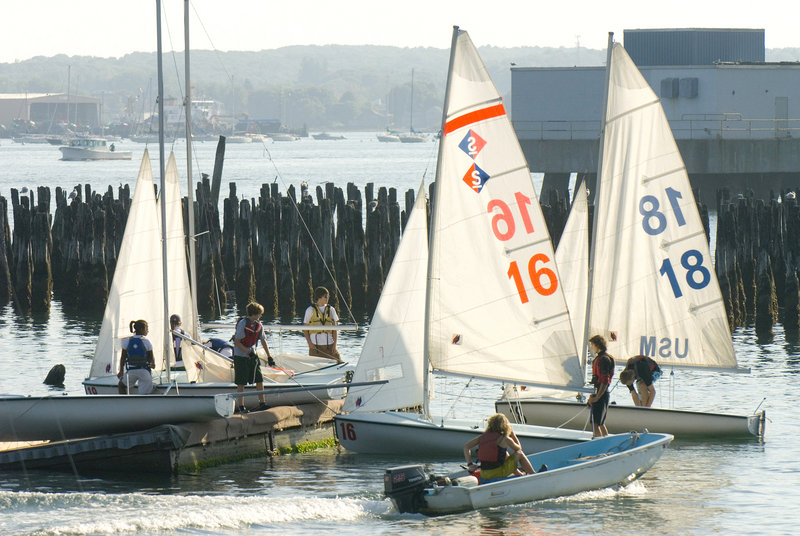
[{"x": 140, "y": 513}]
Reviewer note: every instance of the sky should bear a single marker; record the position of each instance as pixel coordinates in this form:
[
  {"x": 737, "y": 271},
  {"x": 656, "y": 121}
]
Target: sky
[{"x": 113, "y": 28}]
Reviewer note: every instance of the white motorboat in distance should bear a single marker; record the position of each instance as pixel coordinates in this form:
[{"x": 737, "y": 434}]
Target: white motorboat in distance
[
  {"x": 92, "y": 149},
  {"x": 29, "y": 418},
  {"x": 614, "y": 460}
]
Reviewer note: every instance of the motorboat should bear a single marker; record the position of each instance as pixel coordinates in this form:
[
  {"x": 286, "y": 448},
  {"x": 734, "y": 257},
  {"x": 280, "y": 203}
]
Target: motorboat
[
  {"x": 614, "y": 460},
  {"x": 92, "y": 149}
]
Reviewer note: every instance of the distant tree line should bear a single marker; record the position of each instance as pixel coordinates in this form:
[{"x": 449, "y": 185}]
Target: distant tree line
[{"x": 321, "y": 87}]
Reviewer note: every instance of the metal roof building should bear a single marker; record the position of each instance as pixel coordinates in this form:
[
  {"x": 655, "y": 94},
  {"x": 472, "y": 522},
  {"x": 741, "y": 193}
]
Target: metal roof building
[{"x": 49, "y": 108}]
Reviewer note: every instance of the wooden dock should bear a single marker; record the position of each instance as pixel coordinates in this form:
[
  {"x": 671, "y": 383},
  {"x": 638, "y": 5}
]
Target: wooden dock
[{"x": 184, "y": 447}]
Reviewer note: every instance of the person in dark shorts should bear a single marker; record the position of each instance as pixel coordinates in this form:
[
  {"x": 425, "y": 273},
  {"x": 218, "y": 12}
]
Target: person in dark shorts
[
  {"x": 246, "y": 367},
  {"x": 602, "y": 373},
  {"x": 642, "y": 371}
]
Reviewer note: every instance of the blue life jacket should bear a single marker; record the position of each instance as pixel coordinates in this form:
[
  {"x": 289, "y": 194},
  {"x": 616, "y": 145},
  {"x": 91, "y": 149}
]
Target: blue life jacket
[{"x": 137, "y": 354}]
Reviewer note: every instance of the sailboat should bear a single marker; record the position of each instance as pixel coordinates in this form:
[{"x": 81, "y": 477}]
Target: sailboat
[
  {"x": 483, "y": 299},
  {"x": 653, "y": 287},
  {"x": 410, "y": 136},
  {"x": 136, "y": 293}
]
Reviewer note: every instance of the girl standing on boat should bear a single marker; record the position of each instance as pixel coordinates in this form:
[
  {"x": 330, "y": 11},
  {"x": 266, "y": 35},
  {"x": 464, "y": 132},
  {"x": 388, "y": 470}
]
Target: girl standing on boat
[
  {"x": 602, "y": 372},
  {"x": 493, "y": 446},
  {"x": 136, "y": 360}
]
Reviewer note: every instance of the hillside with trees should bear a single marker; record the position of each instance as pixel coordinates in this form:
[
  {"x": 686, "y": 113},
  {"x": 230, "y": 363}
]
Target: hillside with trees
[{"x": 321, "y": 87}]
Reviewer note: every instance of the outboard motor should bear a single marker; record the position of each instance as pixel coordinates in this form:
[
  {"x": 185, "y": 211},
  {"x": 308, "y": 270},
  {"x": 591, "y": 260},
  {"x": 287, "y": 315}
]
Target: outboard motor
[{"x": 405, "y": 485}]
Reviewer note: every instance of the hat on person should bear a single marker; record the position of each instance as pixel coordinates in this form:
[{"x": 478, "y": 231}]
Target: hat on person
[{"x": 174, "y": 319}]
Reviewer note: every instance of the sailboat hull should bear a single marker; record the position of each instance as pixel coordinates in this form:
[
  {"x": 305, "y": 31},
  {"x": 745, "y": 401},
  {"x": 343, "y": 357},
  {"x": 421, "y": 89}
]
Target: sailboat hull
[
  {"x": 394, "y": 432},
  {"x": 26, "y": 418},
  {"x": 316, "y": 391},
  {"x": 680, "y": 423}
]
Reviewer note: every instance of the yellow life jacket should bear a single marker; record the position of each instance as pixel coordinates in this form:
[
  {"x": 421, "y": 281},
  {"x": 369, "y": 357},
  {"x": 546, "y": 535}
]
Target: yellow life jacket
[{"x": 319, "y": 318}]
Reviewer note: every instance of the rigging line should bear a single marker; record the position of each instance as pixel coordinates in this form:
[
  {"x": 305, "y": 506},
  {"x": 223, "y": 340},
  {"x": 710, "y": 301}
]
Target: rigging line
[
  {"x": 211, "y": 42},
  {"x": 318, "y": 251},
  {"x": 457, "y": 397}
]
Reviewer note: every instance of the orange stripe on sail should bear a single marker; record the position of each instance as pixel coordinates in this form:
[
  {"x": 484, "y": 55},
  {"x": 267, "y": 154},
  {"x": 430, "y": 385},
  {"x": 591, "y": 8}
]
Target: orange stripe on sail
[{"x": 474, "y": 117}]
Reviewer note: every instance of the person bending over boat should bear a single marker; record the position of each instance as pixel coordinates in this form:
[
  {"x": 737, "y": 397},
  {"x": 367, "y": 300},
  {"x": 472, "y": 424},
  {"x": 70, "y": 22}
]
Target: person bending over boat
[
  {"x": 246, "y": 368},
  {"x": 602, "y": 372},
  {"x": 643, "y": 371},
  {"x": 320, "y": 313},
  {"x": 136, "y": 360},
  {"x": 493, "y": 446}
]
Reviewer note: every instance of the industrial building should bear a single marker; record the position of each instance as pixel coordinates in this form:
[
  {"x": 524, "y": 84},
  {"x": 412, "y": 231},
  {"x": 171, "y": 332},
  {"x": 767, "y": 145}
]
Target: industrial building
[
  {"x": 49, "y": 109},
  {"x": 735, "y": 117}
]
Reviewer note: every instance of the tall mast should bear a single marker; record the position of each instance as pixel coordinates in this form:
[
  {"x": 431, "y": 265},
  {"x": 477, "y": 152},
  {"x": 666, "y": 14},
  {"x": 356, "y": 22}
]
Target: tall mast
[
  {"x": 193, "y": 329},
  {"x": 426, "y": 362},
  {"x": 597, "y": 183},
  {"x": 165, "y": 325}
]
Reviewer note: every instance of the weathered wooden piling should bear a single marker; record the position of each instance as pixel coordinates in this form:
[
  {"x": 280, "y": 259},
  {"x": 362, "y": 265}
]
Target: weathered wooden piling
[
  {"x": 211, "y": 286},
  {"x": 790, "y": 312},
  {"x": 41, "y": 247},
  {"x": 6, "y": 288},
  {"x": 266, "y": 216},
  {"x": 766, "y": 313},
  {"x": 21, "y": 251},
  {"x": 245, "y": 286}
]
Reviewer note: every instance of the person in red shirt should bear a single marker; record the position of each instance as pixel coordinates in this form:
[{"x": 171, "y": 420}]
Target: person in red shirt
[{"x": 602, "y": 373}]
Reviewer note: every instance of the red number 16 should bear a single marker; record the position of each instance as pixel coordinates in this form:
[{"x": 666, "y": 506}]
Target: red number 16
[{"x": 536, "y": 277}]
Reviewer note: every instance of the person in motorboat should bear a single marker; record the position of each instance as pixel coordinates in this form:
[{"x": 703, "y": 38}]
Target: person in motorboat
[
  {"x": 175, "y": 326},
  {"x": 493, "y": 446},
  {"x": 246, "y": 368},
  {"x": 136, "y": 360},
  {"x": 320, "y": 313},
  {"x": 602, "y": 373},
  {"x": 642, "y": 371}
]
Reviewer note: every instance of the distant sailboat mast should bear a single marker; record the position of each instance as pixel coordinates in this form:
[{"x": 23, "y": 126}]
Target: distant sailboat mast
[
  {"x": 193, "y": 329},
  {"x": 162, "y": 183},
  {"x": 411, "y": 108}
]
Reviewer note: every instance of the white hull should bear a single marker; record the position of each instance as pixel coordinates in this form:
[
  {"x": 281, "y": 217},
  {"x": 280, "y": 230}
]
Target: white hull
[
  {"x": 311, "y": 389},
  {"x": 79, "y": 153},
  {"x": 24, "y": 418},
  {"x": 403, "y": 433},
  {"x": 596, "y": 464},
  {"x": 680, "y": 423},
  {"x": 412, "y": 138}
]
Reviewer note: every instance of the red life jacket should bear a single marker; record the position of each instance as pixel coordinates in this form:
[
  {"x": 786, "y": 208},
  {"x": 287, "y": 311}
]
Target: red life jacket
[
  {"x": 252, "y": 332},
  {"x": 490, "y": 454},
  {"x": 602, "y": 369}
]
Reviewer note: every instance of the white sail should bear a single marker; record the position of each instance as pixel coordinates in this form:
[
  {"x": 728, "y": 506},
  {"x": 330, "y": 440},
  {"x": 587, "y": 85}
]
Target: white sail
[
  {"x": 496, "y": 303},
  {"x": 394, "y": 345},
  {"x": 200, "y": 364},
  {"x": 654, "y": 290},
  {"x": 136, "y": 289},
  {"x": 572, "y": 258}
]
